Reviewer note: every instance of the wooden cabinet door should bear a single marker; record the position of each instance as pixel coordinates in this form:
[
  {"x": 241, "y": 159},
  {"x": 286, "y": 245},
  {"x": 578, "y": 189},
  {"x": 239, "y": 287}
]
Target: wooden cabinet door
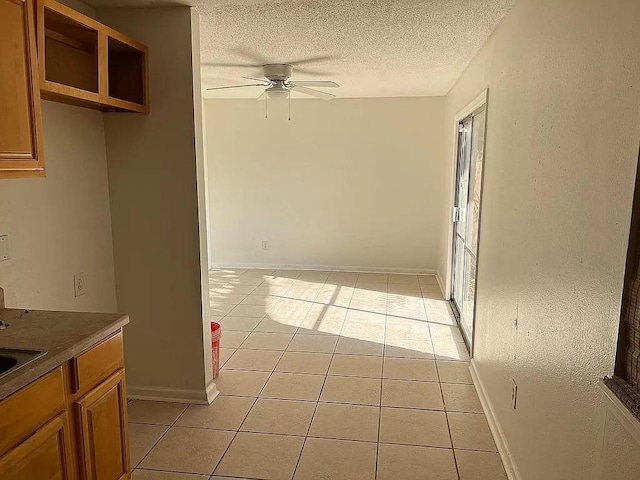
[
  {"x": 103, "y": 440},
  {"x": 45, "y": 455},
  {"x": 21, "y": 118}
]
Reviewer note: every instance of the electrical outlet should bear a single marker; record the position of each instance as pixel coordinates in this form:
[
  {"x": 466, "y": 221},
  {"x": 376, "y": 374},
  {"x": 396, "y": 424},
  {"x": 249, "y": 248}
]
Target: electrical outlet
[
  {"x": 4, "y": 248},
  {"x": 265, "y": 245},
  {"x": 514, "y": 393},
  {"x": 79, "y": 285}
]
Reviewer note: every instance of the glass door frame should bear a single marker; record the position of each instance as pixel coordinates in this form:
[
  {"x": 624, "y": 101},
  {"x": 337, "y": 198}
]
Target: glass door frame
[
  {"x": 458, "y": 215},
  {"x": 476, "y": 106}
]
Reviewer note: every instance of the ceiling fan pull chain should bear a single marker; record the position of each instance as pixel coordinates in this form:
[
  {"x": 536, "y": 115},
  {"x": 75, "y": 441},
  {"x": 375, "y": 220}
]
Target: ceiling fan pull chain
[
  {"x": 266, "y": 106},
  {"x": 289, "y": 105}
]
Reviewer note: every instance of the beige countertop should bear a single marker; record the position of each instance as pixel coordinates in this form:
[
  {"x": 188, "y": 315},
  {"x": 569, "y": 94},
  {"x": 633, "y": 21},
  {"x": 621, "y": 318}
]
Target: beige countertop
[{"x": 61, "y": 334}]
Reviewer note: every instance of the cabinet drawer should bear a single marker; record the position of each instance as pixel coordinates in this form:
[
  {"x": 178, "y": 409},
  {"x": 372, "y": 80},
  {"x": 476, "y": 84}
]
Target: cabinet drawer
[
  {"x": 29, "y": 408},
  {"x": 94, "y": 365}
]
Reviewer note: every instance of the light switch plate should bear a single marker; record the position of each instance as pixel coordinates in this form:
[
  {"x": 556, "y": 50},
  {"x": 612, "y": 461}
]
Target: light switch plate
[{"x": 4, "y": 248}]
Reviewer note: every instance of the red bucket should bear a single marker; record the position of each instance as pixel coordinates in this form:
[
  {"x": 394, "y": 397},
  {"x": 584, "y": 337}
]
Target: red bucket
[{"x": 216, "y": 335}]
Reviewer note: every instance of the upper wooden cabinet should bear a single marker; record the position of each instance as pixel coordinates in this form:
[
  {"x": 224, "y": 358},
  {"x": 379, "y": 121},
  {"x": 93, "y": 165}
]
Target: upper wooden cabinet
[
  {"x": 20, "y": 117},
  {"x": 64, "y": 56},
  {"x": 86, "y": 63}
]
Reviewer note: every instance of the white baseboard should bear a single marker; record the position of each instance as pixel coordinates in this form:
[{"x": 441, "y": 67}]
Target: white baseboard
[
  {"x": 325, "y": 268},
  {"x": 163, "y": 394},
  {"x": 501, "y": 441},
  {"x": 212, "y": 392},
  {"x": 442, "y": 287}
]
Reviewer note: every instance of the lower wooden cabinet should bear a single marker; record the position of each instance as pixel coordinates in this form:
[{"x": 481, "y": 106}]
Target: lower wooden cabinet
[
  {"x": 45, "y": 455},
  {"x": 71, "y": 423},
  {"x": 101, "y": 422}
]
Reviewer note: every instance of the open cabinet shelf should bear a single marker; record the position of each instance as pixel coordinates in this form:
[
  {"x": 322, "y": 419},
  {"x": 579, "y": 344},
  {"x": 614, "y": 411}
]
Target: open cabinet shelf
[
  {"x": 126, "y": 72},
  {"x": 84, "y": 62}
]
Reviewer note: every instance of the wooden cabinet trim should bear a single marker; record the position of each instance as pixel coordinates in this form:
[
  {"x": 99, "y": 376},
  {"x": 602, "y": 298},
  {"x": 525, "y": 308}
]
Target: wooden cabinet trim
[
  {"x": 67, "y": 94},
  {"x": 103, "y": 64},
  {"x": 95, "y": 364},
  {"x": 54, "y": 90},
  {"x": 20, "y": 164},
  {"x": 30, "y": 407},
  {"x": 58, "y": 427},
  {"x": 114, "y": 384},
  {"x": 83, "y": 435}
]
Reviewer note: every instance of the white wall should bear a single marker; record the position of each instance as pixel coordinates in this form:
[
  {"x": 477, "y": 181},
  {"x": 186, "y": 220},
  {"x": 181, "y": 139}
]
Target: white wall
[
  {"x": 563, "y": 132},
  {"x": 201, "y": 186},
  {"x": 347, "y": 183},
  {"x": 152, "y": 163},
  {"x": 60, "y": 225}
]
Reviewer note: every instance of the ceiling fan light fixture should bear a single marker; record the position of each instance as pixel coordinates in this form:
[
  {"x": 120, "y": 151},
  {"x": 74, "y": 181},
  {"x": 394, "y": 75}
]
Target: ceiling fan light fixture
[
  {"x": 278, "y": 86},
  {"x": 278, "y": 93}
]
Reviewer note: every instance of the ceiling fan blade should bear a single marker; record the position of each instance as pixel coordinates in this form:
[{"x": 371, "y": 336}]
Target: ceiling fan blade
[
  {"x": 238, "y": 86},
  {"x": 320, "y": 58},
  {"x": 313, "y": 92},
  {"x": 231, "y": 64},
  {"x": 251, "y": 55},
  {"x": 314, "y": 83},
  {"x": 263, "y": 80},
  {"x": 312, "y": 71}
]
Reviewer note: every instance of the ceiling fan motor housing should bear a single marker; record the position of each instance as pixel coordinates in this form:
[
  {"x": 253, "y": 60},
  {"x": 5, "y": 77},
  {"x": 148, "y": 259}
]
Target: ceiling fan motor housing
[
  {"x": 277, "y": 72},
  {"x": 279, "y": 85}
]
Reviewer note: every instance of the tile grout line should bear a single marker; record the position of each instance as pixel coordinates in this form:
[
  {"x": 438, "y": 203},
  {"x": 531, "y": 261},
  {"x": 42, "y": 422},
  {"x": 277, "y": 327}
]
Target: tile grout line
[
  {"x": 331, "y": 402},
  {"x": 383, "y": 357},
  {"x": 248, "y": 411},
  {"x": 258, "y": 397},
  {"x": 161, "y": 436},
  {"x": 315, "y": 410},
  {"x": 384, "y": 349},
  {"x": 234, "y": 437},
  {"x": 446, "y": 415},
  {"x": 255, "y": 400},
  {"x": 408, "y": 357},
  {"x": 407, "y": 444},
  {"x": 338, "y": 306},
  {"x": 261, "y": 319},
  {"x": 204, "y": 476}
]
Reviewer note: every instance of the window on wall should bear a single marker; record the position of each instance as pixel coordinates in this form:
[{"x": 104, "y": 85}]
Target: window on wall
[{"x": 626, "y": 381}]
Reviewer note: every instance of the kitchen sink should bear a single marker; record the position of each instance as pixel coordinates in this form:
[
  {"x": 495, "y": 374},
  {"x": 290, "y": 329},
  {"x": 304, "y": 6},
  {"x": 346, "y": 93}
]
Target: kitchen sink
[{"x": 12, "y": 358}]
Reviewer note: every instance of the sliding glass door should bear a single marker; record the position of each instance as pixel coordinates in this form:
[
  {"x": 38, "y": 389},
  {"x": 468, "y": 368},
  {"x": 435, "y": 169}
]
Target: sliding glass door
[{"x": 466, "y": 219}]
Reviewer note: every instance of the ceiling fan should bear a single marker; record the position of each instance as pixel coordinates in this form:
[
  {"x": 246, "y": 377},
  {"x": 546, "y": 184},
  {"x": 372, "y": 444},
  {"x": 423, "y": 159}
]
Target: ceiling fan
[{"x": 277, "y": 83}]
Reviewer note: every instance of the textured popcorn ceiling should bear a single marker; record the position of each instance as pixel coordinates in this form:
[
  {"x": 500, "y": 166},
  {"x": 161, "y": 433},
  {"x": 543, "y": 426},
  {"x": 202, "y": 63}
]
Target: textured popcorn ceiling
[{"x": 379, "y": 48}]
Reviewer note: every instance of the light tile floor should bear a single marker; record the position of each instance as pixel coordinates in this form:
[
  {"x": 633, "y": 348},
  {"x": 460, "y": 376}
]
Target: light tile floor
[{"x": 326, "y": 375}]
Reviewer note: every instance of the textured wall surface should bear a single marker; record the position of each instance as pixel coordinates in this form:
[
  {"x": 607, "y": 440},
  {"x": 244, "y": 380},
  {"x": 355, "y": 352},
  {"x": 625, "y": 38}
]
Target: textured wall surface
[
  {"x": 563, "y": 132},
  {"x": 60, "y": 225},
  {"x": 346, "y": 183},
  {"x": 154, "y": 204}
]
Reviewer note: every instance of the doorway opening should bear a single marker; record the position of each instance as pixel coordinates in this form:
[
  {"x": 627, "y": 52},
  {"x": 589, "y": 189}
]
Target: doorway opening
[{"x": 465, "y": 219}]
